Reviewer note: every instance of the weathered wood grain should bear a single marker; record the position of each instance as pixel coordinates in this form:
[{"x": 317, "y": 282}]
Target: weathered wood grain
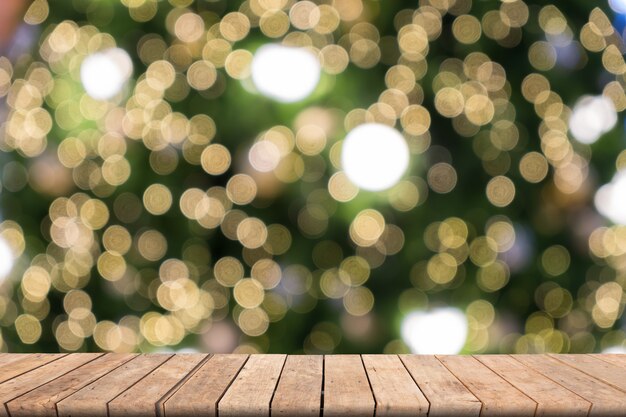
[
  {"x": 498, "y": 396},
  {"x": 42, "y": 401},
  {"x": 299, "y": 391},
  {"x": 606, "y": 400},
  {"x": 395, "y": 392},
  {"x": 599, "y": 369},
  {"x": 612, "y": 358},
  {"x": 445, "y": 393},
  {"x": 108, "y": 385},
  {"x": 143, "y": 398},
  {"x": 200, "y": 394},
  {"x": 551, "y": 398},
  {"x": 92, "y": 400},
  {"x": 27, "y": 382},
  {"x": 19, "y": 364},
  {"x": 251, "y": 392},
  {"x": 346, "y": 388},
  {"x": 7, "y": 358}
]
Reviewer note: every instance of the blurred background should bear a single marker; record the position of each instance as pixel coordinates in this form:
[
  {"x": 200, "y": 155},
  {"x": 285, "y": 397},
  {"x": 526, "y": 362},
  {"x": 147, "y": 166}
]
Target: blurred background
[{"x": 432, "y": 176}]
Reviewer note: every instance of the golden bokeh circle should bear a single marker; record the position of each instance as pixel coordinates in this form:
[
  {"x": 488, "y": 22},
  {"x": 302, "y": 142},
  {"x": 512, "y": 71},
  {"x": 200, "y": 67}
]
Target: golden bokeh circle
[
  {"x": 157, "y": 199},
  {"x": 241, "y": 189},
  {"x": 228, "y": 271},
  {"x": 449, "y": 102},
  {"x": 500, "y": 191},
  {"x": 415, "y": 120},
  {"x": 534, "y": 167},
  {"x": 442, "y": 178},
  {"x": 248, "y": 293},
  {"x": 201, "y": 75},
  {"x": 252, "y": 233},
  {"x": 367, "y": 227},
  {"x": 215, "y": 159},
  {"x": 238, "y": 64},
  {"x": 466, "y": 29}
]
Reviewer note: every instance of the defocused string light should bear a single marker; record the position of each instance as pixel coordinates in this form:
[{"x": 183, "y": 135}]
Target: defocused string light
[
  {"x": 615, "y": 350},
  {"x": 103, "y": 74},
  {"x": 441, "y": 331},
  {"x": 264, "y": 156},
  {"x": 374, "y": 156},
  {"x": 610, "y": 199},
  {"x": 296, "y": 173},
  {"x": 591, "y": 118},
  {"x": 619, "y": 6},
  {"x": 285, "y": 73},
  {"x": 6, "y": 259}
]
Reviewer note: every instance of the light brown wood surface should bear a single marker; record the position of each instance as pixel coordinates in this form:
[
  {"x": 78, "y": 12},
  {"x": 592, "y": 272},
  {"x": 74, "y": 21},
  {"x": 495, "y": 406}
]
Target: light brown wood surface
[
  {"x": 498, "y": 396},
  {"x": 200, "y": 394},
  {"x": 299, "y": 391},
  {"x": 24, "y": 363},
  {"x": 251, "y": 392},
  {"x": 92, "y": 400},
  {"x": 605, "y": 399},
  {"x": 6, "y": 358},
  {"x": 179, "y": 385},
  {"x": 551, "y": 398},
  {"x": 346, "y": 388},
  {"x": 395, "y": 392},
  {"x": 143, "y": 398},
  {"x": 41, "y": 375},
  {"x": 614, "y": 359},
  {"x": 446, "y": 394},
  {"x": 597, "y": 368},
  {"x": 42, "y": 401}
]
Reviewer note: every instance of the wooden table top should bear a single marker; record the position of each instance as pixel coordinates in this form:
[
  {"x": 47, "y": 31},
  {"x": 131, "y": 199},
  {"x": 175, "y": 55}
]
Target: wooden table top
[{"x": 96, "y": 384}]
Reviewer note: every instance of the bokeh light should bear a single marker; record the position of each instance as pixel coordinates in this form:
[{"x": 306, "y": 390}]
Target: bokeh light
[
  {"x": 442, "y": 331},
  {"x": 104, "y": 74},
  {"x": 610, "y": 199},
  {"x": 615, "y": 350},
  {"x": 6, "y": 259},
  {"x": 591, "y": 118},
  {"x": 374, "y": 156},
  {"x": 179, "y": 175},
  {"x": 618, "y": 6},
  {"x": 285, "y": 73}
]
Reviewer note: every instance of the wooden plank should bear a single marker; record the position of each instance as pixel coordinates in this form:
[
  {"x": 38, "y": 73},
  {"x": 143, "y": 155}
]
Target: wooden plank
[
  {"x": 346, "y": 387},
  {"x": 498, "y": 396},
  {"x": 299, "y": 390},
  {"x": 10, "y": 358},
  {"x": 143, "y": 398},
  {"x": 7, "y": 358},
  {"x": 24, "y": 383},
  {"x": 395, "y": 392},
  {"x": 599, "y": 369},
  {"x": 99, "y": 385},
  {"x": 42, "y": 401},
  {"x": 606, "y": 400},
  {"x": 20, "y": 364},
  {"x": 92, "y": 400},
  {"x": 251, "y": 392},
  {"x": 551, "y": 398},
  {"x": 617, "y": 359},
  {"x": 445, "y": 393},
  {"x": 200, "y": 394}
]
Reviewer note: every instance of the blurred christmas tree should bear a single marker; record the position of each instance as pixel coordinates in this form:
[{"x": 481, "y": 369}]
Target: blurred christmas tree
[{"x": 332, "y": 176}]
